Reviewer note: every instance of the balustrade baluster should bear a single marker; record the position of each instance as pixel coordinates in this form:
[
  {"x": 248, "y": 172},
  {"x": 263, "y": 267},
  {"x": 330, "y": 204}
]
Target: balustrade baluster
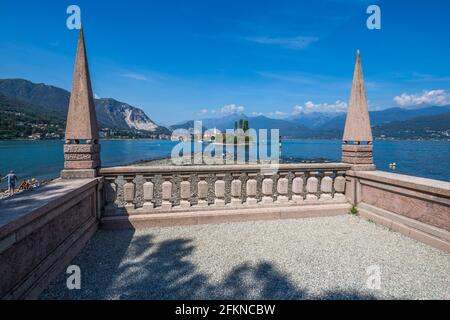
[
  {"x": 298, "y": 188},
  {"x": 252, "y": 188},
  {"x": 129, "y": 190},
  {"x": 326, "y": 186},
  {"x": 236, "y": 190},
  {"x": 267, "y": 189},
  {"x": 202, "y": 191},
  {"x": 185, "y": 192},
  {"x": 312, "y": 187},
  {"x": 148, "y": 194},
  {"x": 283, "y": 188},
  {"x": 339, "y": 186},
  {"x": 167, "y": 187},
  {"x": 219, "y": 188}
]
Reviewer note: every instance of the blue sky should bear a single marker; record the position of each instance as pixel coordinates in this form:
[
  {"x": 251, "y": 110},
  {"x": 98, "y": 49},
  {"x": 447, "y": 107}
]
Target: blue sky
[{"x": 180, "y": 60}]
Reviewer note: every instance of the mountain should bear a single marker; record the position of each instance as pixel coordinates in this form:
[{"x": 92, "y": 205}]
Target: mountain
[
  {"x": 426, "y": 123},
  {"x": 119, "y": 115},
  {"x": 314, "y": 120},
  {"x": 46, "y": 99},
  {"x": 386, "y": 116},
  {"x": 425, "y": 127},
  {"x": 188, "y": 125},
  {"x": 288, "y": 129},
  {"x": 224, "y": 123},
  {"x": 19, "y": 119}
]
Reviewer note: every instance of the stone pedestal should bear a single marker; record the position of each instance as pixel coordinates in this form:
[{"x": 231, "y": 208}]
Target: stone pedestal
[
  {"x": 359, "y": 156},
  {"x": 81, "y": 161}
]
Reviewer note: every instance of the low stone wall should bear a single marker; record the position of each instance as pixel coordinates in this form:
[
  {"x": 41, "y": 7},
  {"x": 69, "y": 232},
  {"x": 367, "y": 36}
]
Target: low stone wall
[
  {"x": 178, "y": 195},
  {"x": 41, "y": 232},
  {"x": 416, "y": 207}
]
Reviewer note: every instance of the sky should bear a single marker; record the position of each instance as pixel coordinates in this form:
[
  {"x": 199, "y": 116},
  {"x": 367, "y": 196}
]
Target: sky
[{"x": 181, "y": 60}]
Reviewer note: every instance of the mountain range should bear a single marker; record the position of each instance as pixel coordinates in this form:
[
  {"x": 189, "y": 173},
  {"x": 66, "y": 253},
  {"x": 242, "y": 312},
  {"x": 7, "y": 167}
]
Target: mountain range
[
  {"x": 28, "y": 108},
  {"x": 41, "y": 101},
  {"x": 388, "y": 123}
]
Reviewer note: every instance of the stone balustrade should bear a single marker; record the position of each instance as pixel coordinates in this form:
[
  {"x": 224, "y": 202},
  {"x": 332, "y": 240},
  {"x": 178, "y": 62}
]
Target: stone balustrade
[{"x": 138, "y": 190}]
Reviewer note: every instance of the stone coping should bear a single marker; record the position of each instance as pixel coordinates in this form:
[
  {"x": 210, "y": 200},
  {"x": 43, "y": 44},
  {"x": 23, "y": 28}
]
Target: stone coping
[
  {"x": 225, "y": 168},
  {"x": 435, "y": 187},
  {"x": 26, "y": 207}
]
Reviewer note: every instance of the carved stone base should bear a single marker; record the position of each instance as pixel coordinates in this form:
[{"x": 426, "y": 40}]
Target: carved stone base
[
  {"x": 267, "y": 200},
  {"x": 236, "y": 202},
  {"x": 148, "y": 206},
  {"x": 282, "y": 200},
  {"x": 184, "y": 204},
  {"x": 326, "y": 197},
  {"x": 360, "y": 156},
  {"x": 81, "y": 161},
  {"x": 79, "y": 174},
  {"x": 298, "y": 199},
  {"x": 202, "y": 203},
  {"x": 166, "y": 205},
  {"x": 219, "y": 203}
]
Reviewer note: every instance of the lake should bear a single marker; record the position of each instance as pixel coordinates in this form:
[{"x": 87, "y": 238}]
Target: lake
[{"x": 44, "y": 159}]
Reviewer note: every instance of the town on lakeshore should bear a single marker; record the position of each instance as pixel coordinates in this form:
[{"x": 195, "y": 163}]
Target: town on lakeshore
[{"x": 235, "y": 171}]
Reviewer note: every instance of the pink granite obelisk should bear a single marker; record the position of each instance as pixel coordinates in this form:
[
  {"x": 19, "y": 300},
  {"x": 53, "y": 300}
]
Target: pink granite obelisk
[
  {"x": 357, "y": 148},
  {"x": 82, "y": 149}
]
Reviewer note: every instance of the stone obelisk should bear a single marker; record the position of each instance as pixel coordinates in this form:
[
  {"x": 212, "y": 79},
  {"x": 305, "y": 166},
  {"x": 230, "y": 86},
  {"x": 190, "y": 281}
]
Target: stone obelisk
[
  {"x": 82, "y": 149},
  {"x": 357, "y": 148}
]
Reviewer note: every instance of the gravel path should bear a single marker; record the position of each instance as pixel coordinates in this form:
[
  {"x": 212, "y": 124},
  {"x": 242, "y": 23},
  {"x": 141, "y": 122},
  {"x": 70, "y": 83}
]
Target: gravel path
[{"x": 321, "y": 258}]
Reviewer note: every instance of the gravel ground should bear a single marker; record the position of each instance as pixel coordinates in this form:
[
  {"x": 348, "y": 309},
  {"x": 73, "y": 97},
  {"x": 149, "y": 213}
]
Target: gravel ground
[{"x": 321, "y": 258}]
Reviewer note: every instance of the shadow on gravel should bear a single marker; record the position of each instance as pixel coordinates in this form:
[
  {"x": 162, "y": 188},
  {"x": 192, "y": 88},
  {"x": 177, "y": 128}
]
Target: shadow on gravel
[{"x": 138, "y": 268}]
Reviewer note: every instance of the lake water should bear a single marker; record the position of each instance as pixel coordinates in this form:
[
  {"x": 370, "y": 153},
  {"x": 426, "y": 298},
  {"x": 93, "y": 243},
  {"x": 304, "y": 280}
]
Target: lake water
[{"x": 44, "y": 159}]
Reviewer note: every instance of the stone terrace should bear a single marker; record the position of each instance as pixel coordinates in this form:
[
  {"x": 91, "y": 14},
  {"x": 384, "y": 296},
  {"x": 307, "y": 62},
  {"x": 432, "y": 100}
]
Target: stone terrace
[{"x": 324, "y": 258}]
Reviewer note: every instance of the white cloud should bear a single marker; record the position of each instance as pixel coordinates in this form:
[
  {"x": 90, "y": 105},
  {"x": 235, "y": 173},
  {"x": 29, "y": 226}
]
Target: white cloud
[
  {"x": 96, "y": 96},
  {"x": 204, "y": 111},
  {"x": 297, "y": 43},
  {"x": 310, "y": 107},
  {"x": 232, "y": 108},
  {"x": 135, "y": 76},
  {"x": 425, "y": 99}
]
